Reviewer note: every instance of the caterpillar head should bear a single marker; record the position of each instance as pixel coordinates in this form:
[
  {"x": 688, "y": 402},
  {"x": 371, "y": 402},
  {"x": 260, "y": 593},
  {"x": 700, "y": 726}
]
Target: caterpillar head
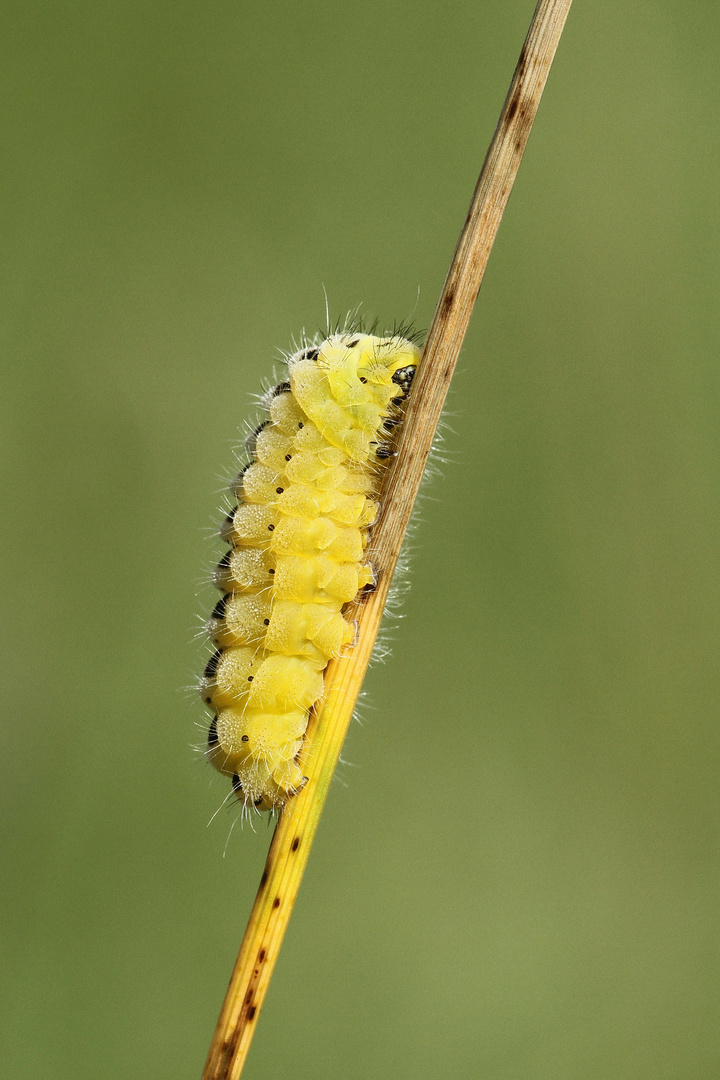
[
  {"x": 346, "y": 385},
  {"x": 364, "y": 357}
]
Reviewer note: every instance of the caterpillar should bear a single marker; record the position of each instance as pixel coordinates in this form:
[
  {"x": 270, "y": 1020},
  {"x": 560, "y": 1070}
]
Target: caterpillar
[{"x": 305, "y": 504}]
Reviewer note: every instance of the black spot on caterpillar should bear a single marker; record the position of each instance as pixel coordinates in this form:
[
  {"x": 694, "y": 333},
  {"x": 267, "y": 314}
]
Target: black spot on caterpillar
[
  {"x": 251, "y": 441},
  {"x": 211, "y": 666},
  {"x": 218, "y": 612},
  {"x": 305, "y": 505}
]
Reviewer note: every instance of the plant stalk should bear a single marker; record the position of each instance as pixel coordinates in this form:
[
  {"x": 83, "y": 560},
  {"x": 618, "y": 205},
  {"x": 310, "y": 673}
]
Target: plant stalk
[{"x": 329, "y": 722}]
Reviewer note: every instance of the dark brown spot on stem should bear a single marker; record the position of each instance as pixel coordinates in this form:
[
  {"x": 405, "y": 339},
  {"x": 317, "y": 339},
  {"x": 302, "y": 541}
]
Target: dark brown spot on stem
[
  {"x": 448, "y": 301},
  {"x": 228, "y": 1050},
  {"x": 276, "y": 902},
  {"x": 295, "y": 844}
]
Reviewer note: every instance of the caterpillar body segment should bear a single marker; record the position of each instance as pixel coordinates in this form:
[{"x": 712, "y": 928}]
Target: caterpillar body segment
[{"x": 298, "y": 535}]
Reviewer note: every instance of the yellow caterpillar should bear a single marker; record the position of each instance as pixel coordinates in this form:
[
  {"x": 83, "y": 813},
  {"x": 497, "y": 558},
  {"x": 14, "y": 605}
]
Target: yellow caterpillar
[{"x": 298, "y": 536}]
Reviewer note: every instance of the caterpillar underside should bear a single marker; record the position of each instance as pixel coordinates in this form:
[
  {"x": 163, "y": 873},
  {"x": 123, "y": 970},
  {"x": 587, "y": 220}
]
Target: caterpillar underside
[{"x": 298, "y": 537}]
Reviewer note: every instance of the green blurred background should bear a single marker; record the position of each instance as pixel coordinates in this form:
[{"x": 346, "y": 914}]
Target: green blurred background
[{"x": 517, "y": 874}]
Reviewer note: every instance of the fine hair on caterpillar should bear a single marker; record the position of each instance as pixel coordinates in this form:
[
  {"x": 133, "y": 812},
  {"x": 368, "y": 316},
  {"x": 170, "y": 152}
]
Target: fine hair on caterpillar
[{"x": 305, "y": 504}]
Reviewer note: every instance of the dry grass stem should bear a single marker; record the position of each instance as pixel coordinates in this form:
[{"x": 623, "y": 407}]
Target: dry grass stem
[{"x": 344, "y": 677}]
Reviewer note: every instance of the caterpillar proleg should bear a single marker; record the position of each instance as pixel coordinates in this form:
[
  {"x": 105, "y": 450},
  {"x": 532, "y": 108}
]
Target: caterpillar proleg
[{"x": 305, "y": 504}]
